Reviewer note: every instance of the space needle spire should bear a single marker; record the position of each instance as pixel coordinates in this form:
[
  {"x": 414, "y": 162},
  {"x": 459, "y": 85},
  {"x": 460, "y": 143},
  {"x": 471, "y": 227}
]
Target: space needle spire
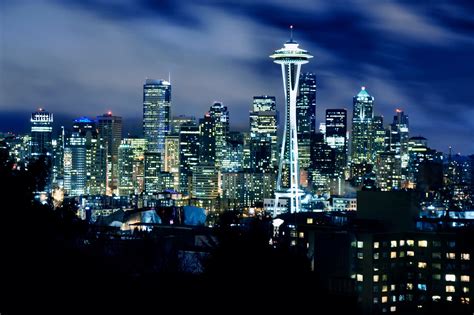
[{"x": 290, "y": 57}]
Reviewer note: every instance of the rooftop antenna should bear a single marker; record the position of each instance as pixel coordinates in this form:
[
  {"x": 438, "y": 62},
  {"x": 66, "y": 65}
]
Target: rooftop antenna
[
  {"x": 291, "y": 33},
  {"x": 169, "y": 77}
]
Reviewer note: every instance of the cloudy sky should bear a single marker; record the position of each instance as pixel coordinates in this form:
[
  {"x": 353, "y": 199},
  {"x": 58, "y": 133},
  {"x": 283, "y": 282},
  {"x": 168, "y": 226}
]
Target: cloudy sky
[{"x": 86, "y": 57}]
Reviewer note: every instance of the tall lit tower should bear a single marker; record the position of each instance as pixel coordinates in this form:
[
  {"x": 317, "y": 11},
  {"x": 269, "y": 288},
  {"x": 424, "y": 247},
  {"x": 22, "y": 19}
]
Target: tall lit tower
[{"x": 290, "y": 57}]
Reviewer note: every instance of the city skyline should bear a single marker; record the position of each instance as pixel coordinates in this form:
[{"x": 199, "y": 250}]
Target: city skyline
[{"x": 91, "y": 59}]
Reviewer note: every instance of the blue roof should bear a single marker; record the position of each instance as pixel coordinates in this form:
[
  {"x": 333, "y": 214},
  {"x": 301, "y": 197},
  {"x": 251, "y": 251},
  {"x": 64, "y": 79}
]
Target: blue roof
[
  {"x": 363, "y": 92},
  {"x": 83, "y": 119}
]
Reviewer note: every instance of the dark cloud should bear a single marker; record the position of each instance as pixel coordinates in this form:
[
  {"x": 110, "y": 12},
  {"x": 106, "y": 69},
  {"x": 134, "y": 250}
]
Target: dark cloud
[{"x": 84, "y": 57}]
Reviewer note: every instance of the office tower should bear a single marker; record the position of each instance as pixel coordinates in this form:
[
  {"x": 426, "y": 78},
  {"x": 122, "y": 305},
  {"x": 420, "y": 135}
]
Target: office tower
[
  {"x": 205, "y": 186},
  {"x": 207, "y": 141},
  {"x": 110, "y": 134},
  {"x": 362, "y": 128},
  {"x": 220, "y": 121},
  {"x": 178, "y": 121},
  {"x": 131, "y": 166},
  {"x": 381, "y": 136},
  {"x": 399, "y": 138},
  {"x": 58, "y": 158},
  {"x": 263, "y": 134},
  {"x": 95, "y": 155},
  {"x": 322, "y": 168},
  {"x": 152, "y": 173},
  {"x": 41, "y": 133},
  {"x": 290, "y": 57},
  {"x": 171, "y": 159},
  {"x": 424, "y": 171},
  {"x": 189, "y": 144},
  {"x": 246, "y": 158},
  {"x": 305, "y": 116},
  {"x": 233, "y": 161},
  {"x": 156, "y": 113},
  {"x": 336, "y": 137},
  {"x": 388, "y": 171},
  {"x": 75, "y": 169}
]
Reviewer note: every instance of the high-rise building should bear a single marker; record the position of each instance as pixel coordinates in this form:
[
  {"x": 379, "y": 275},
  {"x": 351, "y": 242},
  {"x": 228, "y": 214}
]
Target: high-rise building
[
  {"x": 207, "y": 141},
  {"x": 152, "y": 173},
  {"x": 156, "y": 113},
  {"x": 171, "y": 159},
  {"x": 306, "y": 116},
  {"x": 290, "y": 57},
  {"x": 362, "y": 128},
  {"x": 336, "y": 137},
  {"x": 131, "y": 166},
  {"x": 58, "y": 158},
  {"x": 41, "y": 133},
  {"x": 220, "y": 120},
  {"x": 178, "y": 121},
  {"x": 388, "y": 171},
  {"x": 189, "y": 145},
  {"x": 110, "y": 134},
  {"x": 399, "y": 140},
  {"x": 381, "y": 142},
  {"x": 322, "y": 169},
  {"x": 263, "y": 133},
  {"x": 233, "y": 161},
  {"x": 205, "y": 186},
  {"x": 75, "y": 170}
]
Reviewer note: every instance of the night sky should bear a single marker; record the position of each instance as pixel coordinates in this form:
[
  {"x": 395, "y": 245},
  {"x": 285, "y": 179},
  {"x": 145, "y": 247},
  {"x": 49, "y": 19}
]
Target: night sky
[{"x": 86, "y": 57}]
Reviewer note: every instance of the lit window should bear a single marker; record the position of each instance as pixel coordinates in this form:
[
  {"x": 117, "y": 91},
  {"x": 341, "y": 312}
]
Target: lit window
[
  {"x": 394, "y": 298},
  {"x": 360, "y": 244},
  {"x": 376, "y": 255},
  {"x": 376, "y": 278},
  {"x": 437, "y": 276},
  {"x": 393, "y": 308},
  {"x": 436, "y": 255},
  {"x": 422, "y": 243},
  {"x": 384, "y": 288},
  {"x": 450, "y": 277},
  {"x": 301, "y": 234},
  {"x": 465, "y": 278},
  {"x": 360, "y": 277},
  {"x": 422, "y": 265},
  {"x": 393, "y": 243},
  {"x": 384, "y": 277},
  {"x": 450, "y": 288},
  {"x": 465, "y": 289},
  {"x": 360, "y": 255},
  {"x": 309, "y": 221},
  {"x": 465, "y": 300},
  {"x": 392, "y": 287},
  {"x": 465, "y": 256},
  {"x": 449, "y": 298},
  {"x": 421, "y": 286},
  {"x": 376, "y": 244},
  {"x": 409, "y": 286},
  {"x": 402, "y": 254},
  {"x": 393, "y": 254},
  {"x": 410, "y": 242},
  {"x": 376, "y": 300},
  {"x": 384, "y": 299},
  {"x": 451, "y": 255},
  {"x": 436, "y": 297},
  {"x": 402, "y": 242},
  {"x": 410, "y": 253},
  {"x": 293, "y": 243}
]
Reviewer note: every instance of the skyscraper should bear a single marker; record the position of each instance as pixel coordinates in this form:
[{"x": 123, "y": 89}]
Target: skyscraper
[
  {"x": 156, "y": 113},
  {"x": 41, "y": 133},
  {"x": 220, "y": 121},
  {"x": 131, "y": 163},
  {"x": 336, "y": 136},
  {"x": 171, "y": 159},
  {"x": 362, "y": 128},
  {"x": 306, "y": 116},
  {"x": 110, "y": 133},
  {"x": 290, "y": 57},
  {"x": 399, "y": 136},
  {"x": 75, "y": 170},
  {"x": 263, "y": 133},
  {"x": 189, "y": 145}
]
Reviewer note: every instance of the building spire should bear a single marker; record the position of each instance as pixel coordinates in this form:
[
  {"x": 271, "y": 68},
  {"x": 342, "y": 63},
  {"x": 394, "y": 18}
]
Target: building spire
[{"x": 291, "y": 33}]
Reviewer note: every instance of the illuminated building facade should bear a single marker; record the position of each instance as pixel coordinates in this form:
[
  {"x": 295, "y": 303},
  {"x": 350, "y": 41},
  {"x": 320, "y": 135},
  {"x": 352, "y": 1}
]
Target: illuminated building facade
[
  {"x": 189, "y": 144},
  {"x": 305, "y": 116},
  {"x": 336, "y": 137},
  {"x": 362, "y": 128},
  {"x": 41, "y": 133},
  {"x": 131, "y": 165}
]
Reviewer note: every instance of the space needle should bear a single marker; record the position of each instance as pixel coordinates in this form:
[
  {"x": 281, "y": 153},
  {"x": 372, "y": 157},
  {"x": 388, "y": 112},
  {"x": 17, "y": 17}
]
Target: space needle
[{"x": 290, "y": 57}]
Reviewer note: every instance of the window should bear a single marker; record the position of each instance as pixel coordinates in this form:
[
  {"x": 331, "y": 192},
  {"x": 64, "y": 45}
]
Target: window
[
  {"x": 309, "y": 221},
  {"x": 465, "y": 256},
  {"x": 392, "y": 287},
  {"x": 409, "y": 286},
  {"x": 301, "y": 234},
  {"x": 376, "y": 278},
  {"x": 421, "y": 287},
  {"x": 422, "y": 265},
  {"x": 422, "y": 243},
  {"x": 436, "y": 297},
  {"x": 410, "y": 253},
  {"x": 376, "y": 300},
  {"x": 436, "y": 276},
  {"x": 384, "y": 288},
  {"x": 465, "y": 300},
  {"x": 376, "y": 255},
  {"x": 376, "y": 244},
  {"x": 451, "y": 255},
  {"x": 436, "y": 255},
  {"x": 410, "y": 242},
  {"x": 360, "y": 255},
  {"x": 393, "y": 243},
  {"x": 393, "y": 254},
  {"x": 450, "y": 288},
  {"x": 402, "y": 242},
  {"x": 465, "y": 278},
  {"x": 452, "y": 244},
  {"x": 449, "y": 298},
  {"x": 436, "y": 266},
  {"x": 360, "y": 277},
  {"x": 393, "y": 308},
  {"x": 436, "y": 244},
  {"x": 384, "y": 277},
  {"x": 465, "y": 289},
  {"x": 450, "y": 277},
  {"x": 360, "y": 244},
  {"x": 402, "y": 254},
  {"x": 384, "y": 299}
]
